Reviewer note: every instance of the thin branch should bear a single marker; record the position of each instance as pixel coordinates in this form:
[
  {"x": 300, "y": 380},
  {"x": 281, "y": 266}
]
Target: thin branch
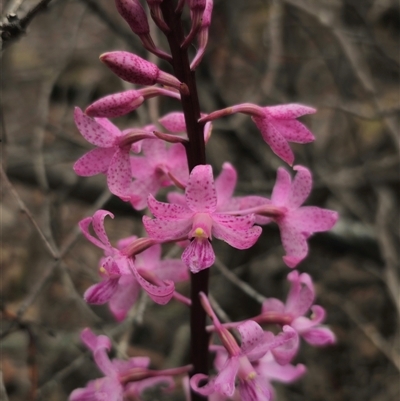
[{"x": 246, "y": 288}]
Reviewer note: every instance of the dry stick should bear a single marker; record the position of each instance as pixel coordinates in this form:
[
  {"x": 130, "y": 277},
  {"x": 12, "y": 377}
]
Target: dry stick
[
  {"x": 133, "y": 319},
  {"x": 3, "y": 392},
  {"x": 328, "y": 18},
  {"x": 275, "y": 52},
  {"x": 385, "y": 214},
  {"x": 53, "y": 252},
  {"x": 12, "y": 30},
  {"x": 195, "y": 151},
  {"x": 370, "y": 332},
  {"x": 246, "y": 288},
  {"x": 69, "y": 242}
]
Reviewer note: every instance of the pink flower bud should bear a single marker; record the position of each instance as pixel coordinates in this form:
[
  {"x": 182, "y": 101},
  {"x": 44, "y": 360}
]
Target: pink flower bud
[
  {"x": 133, "y": 13},
  {"x": 136, "y": 70},
  {"x": 115, "y": 105}
]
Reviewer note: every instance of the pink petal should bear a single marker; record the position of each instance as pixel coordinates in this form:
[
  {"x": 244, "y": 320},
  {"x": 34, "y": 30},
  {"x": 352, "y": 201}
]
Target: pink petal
[
  {"x": 311, "y": 219},
  {"x": 160, "y": 294},
  {"x": 94, "y": 162},
  {"x": 301, "y": 187},
  {"x": 109, "y": 126},
  {"x": 149, "y": 259},
  {"x": 106, "y": 388},
  {"x": 270, "y": 133},
  {"x": 141, "y": 189},
  {"x": 207, "y": 389},
  {"x": 282, "y": 187},
  {"x": 319, "y": 336},
  {"x": 273, "y": 305},
  {"x": 99, "y": 294},
  {"x": 289, "y": 346},
  {"x": 119, "y": 178},
  {"x": 225, "y": 381},
  {"x": 94, "y": 342},
  {"x": 200, "y": 191},
  {"x": 301, "y": 294},
  {"x": 155, "y": 150},
  {"x": 92, "y": 131},
  {"x": 84, "y": 224},
  {"x": 294, "y": 131},
  {"x": 255, "y": 389},
  {"x": 173, "y": 122},
  {"x": 172, "y": 269},
  {"x": 233, "y": 230},
  {"x": 140, "y": 167},
  {"x": 198, "y": 255},
  {"x": 269, "y": 368},
  {"x": 176, "y": 198},
  {"x": 302, "y": 323},
  {"x": 294, "y": 244},
  {"x": 225, "y": 184},
  {"x": 98, "y": 226},
  {"x": 251, "y": 335},
  {"x": 168, "y": 211},
  {"x": 124, "y": 297},
  {"x": 288, "y": 111},
  {"x": 166, "y": 229}
]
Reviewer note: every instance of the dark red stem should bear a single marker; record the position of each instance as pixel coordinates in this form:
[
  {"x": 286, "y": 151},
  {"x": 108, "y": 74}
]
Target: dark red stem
[{"x": 195, "y": 150}]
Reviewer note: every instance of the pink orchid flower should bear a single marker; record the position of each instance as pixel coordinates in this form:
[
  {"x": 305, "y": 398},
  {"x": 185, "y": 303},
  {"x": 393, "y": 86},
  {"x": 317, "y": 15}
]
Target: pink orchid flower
[
  {"x": 277, "y": 124},
  {"x": 111, "y": 156},
  {"x": 199, "y": 221},
  {"x": 255, "y": 343},
  {"x": 225, "y": 185},
  {"x": 296, "y": 223},
  {"x": 111, "y": 387},
  {"x": 299, "y": 301},
  {"x": 121, "y": 278},
  {"x": 154, "y": 170}
]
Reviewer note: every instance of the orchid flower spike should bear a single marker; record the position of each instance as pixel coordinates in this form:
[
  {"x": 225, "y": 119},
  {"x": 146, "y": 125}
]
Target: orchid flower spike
[
  {"x": 277, "y": 124},
  {"x": 198, "y": 220}
]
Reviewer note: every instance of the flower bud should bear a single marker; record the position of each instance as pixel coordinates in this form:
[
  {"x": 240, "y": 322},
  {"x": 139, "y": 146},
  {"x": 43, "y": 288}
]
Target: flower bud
[
  {"x": 136, "y": 70},
  {"x": 115, "y": 105},
  {"x": 133, "y": 13}
]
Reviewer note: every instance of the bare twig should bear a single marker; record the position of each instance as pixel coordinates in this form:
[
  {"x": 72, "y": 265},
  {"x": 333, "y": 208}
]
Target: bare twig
[
  {"x": 15, "y": 27},
  {"x": 246, "y": 288}
]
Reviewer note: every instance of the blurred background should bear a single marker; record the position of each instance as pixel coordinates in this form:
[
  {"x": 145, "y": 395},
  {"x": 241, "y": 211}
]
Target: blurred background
[{"x": 340, "y": 56}]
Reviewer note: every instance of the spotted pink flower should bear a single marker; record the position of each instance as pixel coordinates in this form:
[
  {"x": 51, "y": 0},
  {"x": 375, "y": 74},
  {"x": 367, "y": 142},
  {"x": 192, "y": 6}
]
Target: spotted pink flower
[
  {"x": 154, "y": 169},
  {"x": 111, "y": 387},
  {"x": 111, "y": 155},
  {"x": 198, "y": 220},
  {"x": 121, "y": 278},
  {"x": 299, "y": 302},
  {"x": 277, "y": 124}
]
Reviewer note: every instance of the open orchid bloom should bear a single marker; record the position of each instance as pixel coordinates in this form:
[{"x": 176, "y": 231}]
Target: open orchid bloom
[
  {"x": 121, "y": 278},
  {"x": 277, "y": 124},
  {"x": 299, "y": 302},
  {"x": 154, "y": 169},
  {"x": 111, "y": 156},
  {"x": 199, "y": 220},
  {"x": 296, "y": 222},
  {"x": 237, "y": 362},
  {"x": 111, "y": 387}
]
